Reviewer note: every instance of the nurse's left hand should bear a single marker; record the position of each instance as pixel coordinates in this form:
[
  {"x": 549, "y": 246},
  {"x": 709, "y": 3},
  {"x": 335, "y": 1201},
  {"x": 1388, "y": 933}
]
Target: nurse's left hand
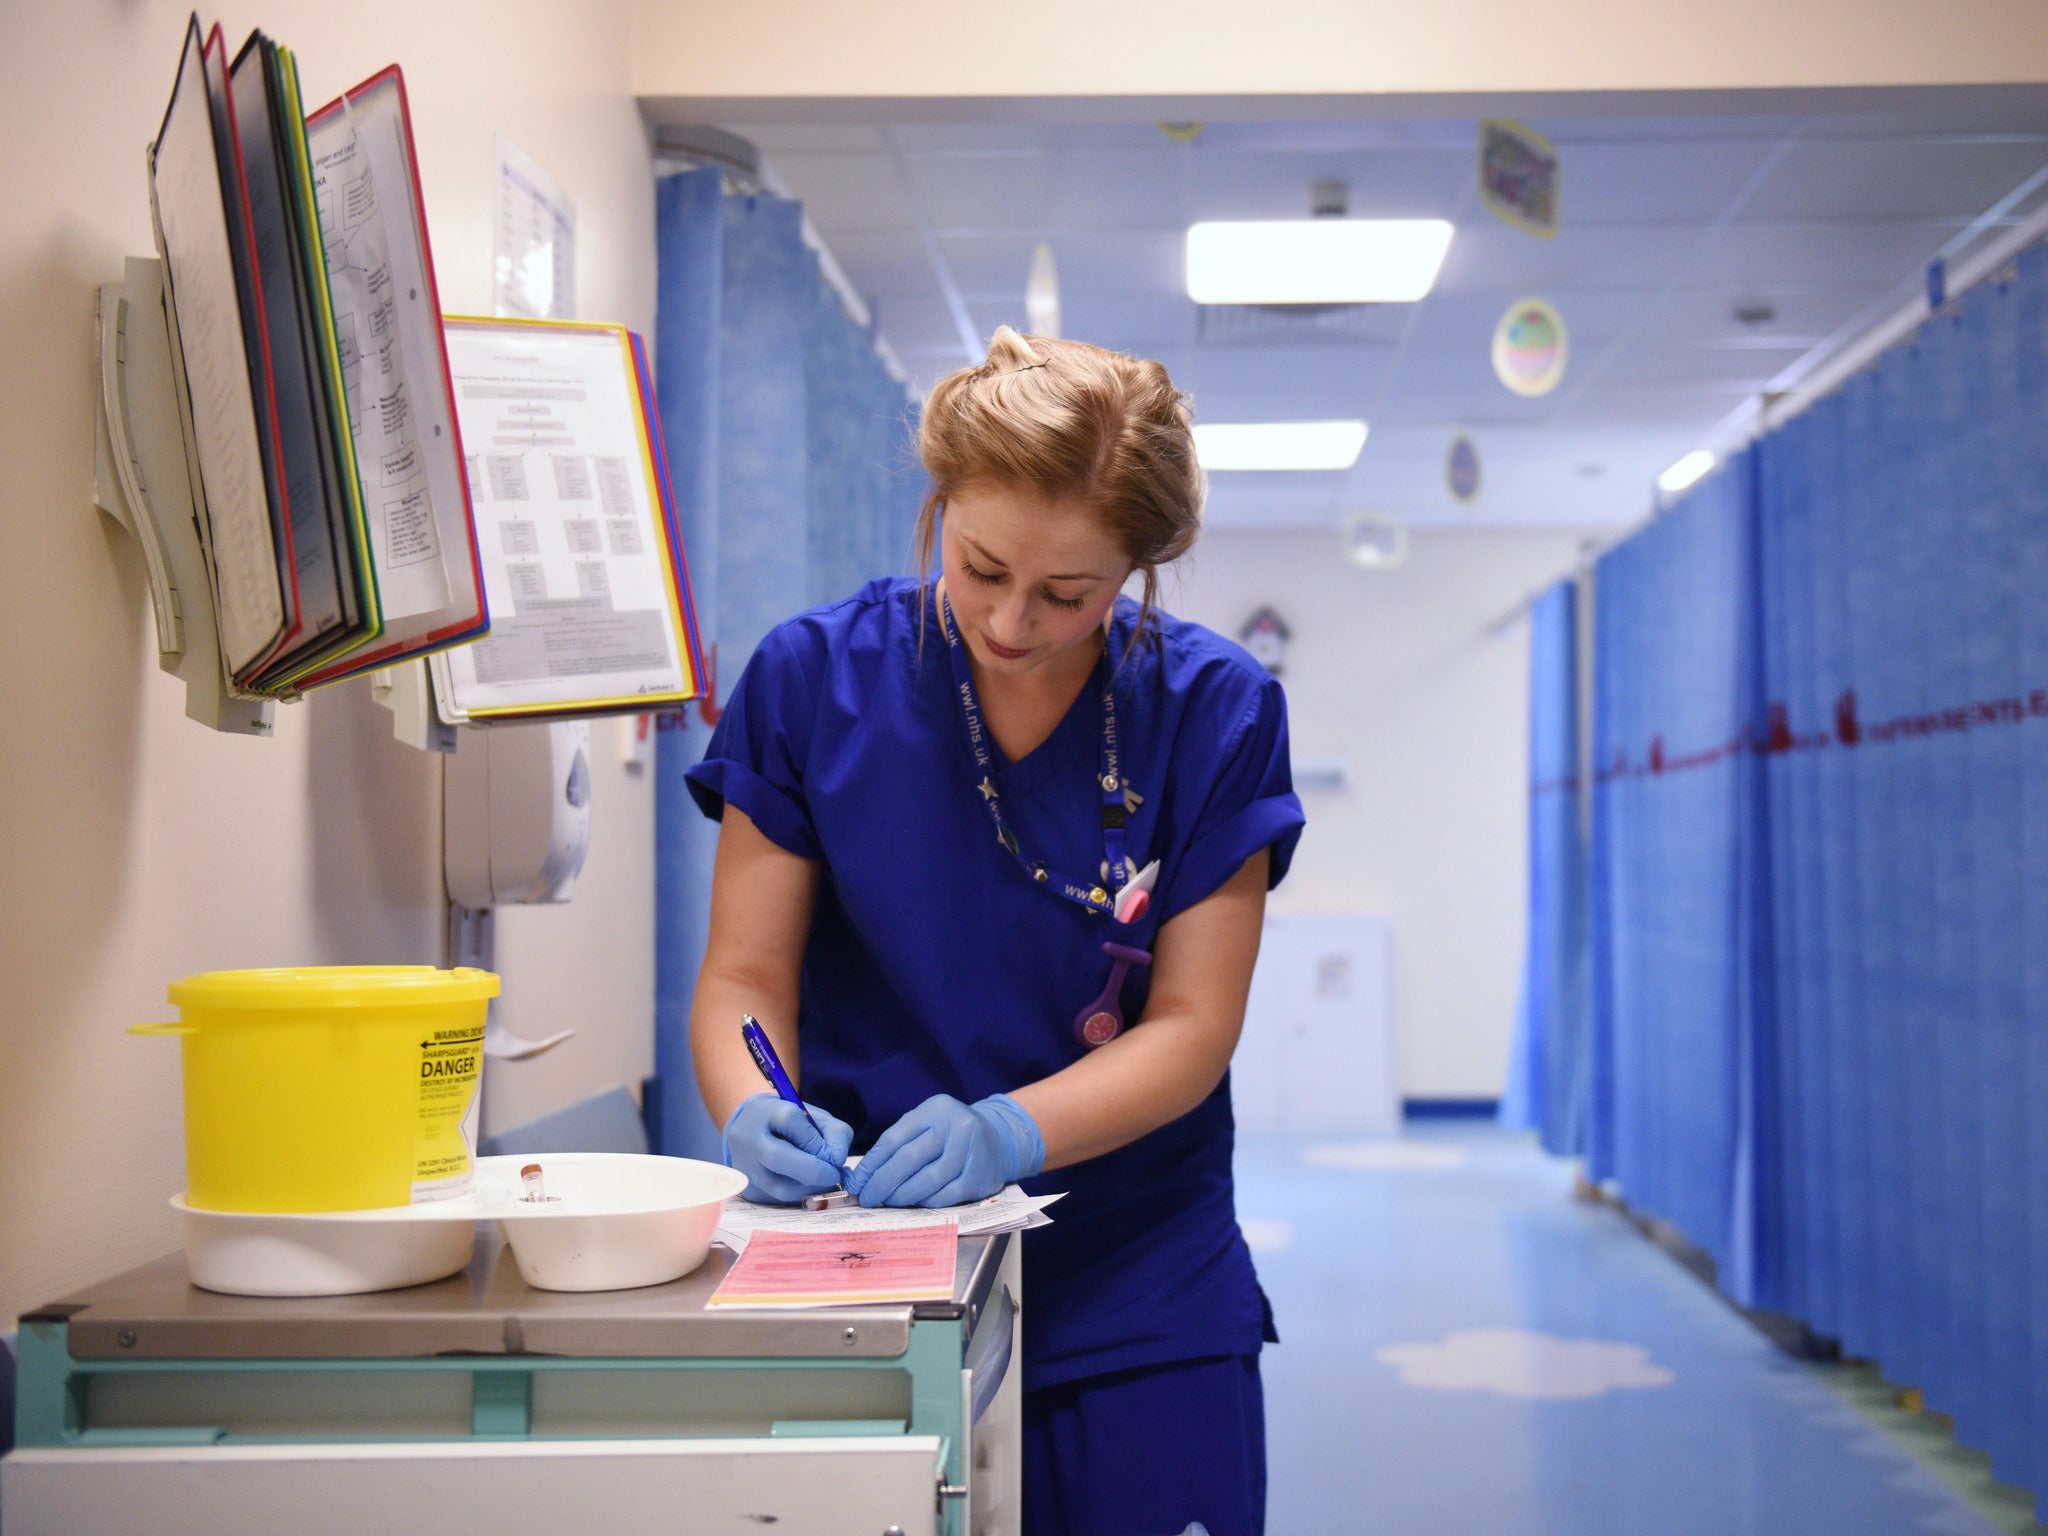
[{"x": 948, "y": 1153}]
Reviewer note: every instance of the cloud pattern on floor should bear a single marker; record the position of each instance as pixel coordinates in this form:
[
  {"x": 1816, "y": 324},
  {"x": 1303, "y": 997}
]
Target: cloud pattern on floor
[
  {"x": 1518, "y": 1363},
  {"x": 1746, "y": 1441},
  {"x": 1391, "y": 1156}
]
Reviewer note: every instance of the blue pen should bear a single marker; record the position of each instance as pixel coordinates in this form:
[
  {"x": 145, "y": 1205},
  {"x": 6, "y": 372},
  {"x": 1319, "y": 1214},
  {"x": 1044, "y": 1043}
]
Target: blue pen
[{"x": 771, "y": 1067}]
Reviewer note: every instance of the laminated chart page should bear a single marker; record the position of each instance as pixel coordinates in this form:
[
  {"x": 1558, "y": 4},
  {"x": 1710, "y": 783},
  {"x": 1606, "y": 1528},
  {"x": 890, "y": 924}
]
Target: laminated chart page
[
  {"x": 393, "y": 366},
  {"x": 584, "y": 583},
  {"x": 841, "y": 1269},
  {"x": 383, "y": 404},
  {"x": 190, "y": 216}
]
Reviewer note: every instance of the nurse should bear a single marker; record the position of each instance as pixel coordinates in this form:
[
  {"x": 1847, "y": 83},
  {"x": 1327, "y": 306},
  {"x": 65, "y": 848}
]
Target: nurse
[{"x": 941, "y": 801}]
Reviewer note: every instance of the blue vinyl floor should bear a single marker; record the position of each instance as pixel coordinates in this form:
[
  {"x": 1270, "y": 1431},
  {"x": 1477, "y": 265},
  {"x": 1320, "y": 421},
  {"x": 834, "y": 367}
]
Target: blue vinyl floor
[{"x": 1467, "y": 1349}]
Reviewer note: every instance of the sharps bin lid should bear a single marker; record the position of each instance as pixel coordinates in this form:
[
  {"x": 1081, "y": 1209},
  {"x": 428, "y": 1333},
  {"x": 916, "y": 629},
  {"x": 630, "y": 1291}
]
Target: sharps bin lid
[{"x": 334, "y": 986}]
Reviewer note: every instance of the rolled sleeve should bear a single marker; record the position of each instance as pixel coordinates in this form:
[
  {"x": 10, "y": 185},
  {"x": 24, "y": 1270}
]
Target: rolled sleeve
[
  {"x": 758, "y": 751},
  {"x": 1252, "y": 805}
]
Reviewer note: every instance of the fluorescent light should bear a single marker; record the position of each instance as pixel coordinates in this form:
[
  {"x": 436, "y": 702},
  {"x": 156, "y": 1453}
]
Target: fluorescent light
[
  {"x": 1685, "y": 471},
  {"x": 1042, "y": 292},
  {"x": 1279, "y": 444},
  {"x": 1315, "y": 261}
]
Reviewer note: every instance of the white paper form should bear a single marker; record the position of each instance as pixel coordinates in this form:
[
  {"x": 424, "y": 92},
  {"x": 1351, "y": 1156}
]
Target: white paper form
[
  {"x": 376, "y": 302},
  {"x": 192, "y": 232},
  {"x": 535, "y": 265},
  {"x": 1008, "y": 1210},
  {"x": 568, "y": 521}
]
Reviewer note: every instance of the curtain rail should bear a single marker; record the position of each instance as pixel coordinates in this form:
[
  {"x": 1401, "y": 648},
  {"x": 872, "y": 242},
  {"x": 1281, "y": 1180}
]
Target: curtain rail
[
  {"x": 1832, "y": 362},
  {"x": 746, "y": 173},
  {"x": 1962, "y": 267}
]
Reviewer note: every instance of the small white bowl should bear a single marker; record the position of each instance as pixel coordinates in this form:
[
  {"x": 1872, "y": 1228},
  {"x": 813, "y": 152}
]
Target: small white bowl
[
  {"x": 614, "y": 1221},
  {"x": 340, "y": 1253}
]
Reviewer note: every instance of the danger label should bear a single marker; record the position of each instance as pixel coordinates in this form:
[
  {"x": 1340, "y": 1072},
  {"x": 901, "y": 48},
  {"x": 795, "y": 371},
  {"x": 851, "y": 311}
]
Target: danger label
[{"x": 451, "y": 1062}]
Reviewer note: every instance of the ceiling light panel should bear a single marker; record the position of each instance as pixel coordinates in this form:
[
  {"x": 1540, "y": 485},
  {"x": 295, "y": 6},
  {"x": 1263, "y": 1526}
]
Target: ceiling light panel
[
  {"x": 1297, "y": 325},
  {"x": 1685, "y": 472},
  {"x": 1279, "y": 445},
  {"x": 1315, "y": 261}
]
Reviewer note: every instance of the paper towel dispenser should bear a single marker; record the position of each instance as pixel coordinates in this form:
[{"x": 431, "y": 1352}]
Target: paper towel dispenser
[{"x": 516, "y": 813}]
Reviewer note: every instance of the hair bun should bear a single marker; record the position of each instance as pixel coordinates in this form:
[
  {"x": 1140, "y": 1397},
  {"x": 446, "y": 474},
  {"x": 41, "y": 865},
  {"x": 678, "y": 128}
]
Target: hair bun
[
  {"x": 1075, "y": 421},
  {"x": 1010, "y": 353}
]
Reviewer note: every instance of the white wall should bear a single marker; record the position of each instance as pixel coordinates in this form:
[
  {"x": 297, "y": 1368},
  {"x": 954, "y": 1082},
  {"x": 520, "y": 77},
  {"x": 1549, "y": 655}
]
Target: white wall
[
  {"x": 139, "y": 846},
  {"x": 1277, "y": 57},
  {"x": 1395, "y": 673}
]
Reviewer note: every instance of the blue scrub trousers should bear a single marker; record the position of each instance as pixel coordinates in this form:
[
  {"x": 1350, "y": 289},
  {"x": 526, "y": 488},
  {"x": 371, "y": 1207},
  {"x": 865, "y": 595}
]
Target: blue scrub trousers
[{"x": 1147, "y": 1452}]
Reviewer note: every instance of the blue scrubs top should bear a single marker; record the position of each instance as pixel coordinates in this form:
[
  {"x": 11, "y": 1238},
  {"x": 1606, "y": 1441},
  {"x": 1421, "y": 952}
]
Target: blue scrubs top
[{"x": 936, "y": 965}]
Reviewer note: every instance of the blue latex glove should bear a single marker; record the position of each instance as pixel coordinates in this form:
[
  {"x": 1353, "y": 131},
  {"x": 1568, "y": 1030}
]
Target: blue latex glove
[
  {"x": 769, "y": 1140},
  {"x": 948, "y": 1153}
]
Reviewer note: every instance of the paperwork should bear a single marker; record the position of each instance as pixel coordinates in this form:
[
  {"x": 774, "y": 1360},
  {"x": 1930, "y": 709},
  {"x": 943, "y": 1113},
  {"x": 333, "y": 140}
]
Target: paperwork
[
  {"x": 588, "y": 593},
  {"x": 1010, "y": 1210},
  {"x": 334, "y": 600},
  {"x": 325, "y": 434},
  {"x": 394, "y": 368},
  {"x": 536, "y": 240},
  {"x": 291, "y": 424},
  {"x": 836, "y": 1269},
  {"x": 189, "y": 210}
]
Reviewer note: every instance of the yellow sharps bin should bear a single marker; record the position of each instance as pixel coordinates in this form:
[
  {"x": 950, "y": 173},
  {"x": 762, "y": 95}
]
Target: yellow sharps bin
[{"x": 328, "y": 1088}]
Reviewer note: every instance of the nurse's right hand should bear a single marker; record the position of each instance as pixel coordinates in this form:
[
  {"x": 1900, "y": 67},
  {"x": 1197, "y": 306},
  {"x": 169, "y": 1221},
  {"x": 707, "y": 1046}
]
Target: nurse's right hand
[{"x": 769, "y": 1140}]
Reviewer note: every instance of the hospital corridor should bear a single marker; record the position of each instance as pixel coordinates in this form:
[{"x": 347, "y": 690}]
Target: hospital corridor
[
  {"x": 931, "y": 768},
  {"x": 1470, "y": 1348}
]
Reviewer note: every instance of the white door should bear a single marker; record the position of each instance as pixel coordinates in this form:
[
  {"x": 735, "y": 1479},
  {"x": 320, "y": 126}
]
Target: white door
[{"x": 1317, "y": 1055}]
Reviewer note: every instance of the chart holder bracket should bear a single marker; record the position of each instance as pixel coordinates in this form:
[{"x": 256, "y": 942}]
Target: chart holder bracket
[{"x": 143, "y": 480}]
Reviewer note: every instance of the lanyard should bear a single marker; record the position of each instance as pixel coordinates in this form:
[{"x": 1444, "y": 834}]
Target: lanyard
[{"x": 1086, "y": 893}]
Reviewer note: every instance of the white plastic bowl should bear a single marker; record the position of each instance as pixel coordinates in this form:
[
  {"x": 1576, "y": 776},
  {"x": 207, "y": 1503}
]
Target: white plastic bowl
[
  {"x": 615, "y": 1220},
  {"x": 340, "y": 1253}
]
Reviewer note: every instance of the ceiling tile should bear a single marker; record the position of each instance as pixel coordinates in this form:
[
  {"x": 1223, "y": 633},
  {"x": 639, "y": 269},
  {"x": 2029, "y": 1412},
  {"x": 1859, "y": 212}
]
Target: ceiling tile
[
  {"x": 1743, "y": 371},
  {"x": 1674, "y": 407},
  {"x": 1488, "y": 256},
  {"x": 854, "y": 193},
  {"x": 1891, "y": 181},
  {"x": 1150, "y": 260},
  {"x": 1327, "y": 382},
  {"x": 917, "y": 325},
  {"x": 883, "y": 261},
  {"x": 1341, "y": 134},
  {"x": 983, "y": 194},
  {"x": 1674, "y": 182},
  {"x": 1653, "y": 260},
  {"x": 1798, "y": 316},
  {"x": 776, "y": 140},
  {"x": 1704, "y": 128},
  {"x": 1143, "y": 323},
  {"x": 1818, "y": 255},
  {"x": 1381, "y": 184}
]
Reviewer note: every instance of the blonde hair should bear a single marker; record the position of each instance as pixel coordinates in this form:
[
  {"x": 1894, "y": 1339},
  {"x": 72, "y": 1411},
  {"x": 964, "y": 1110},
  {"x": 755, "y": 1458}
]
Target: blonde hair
[{"x": 1073, "y": 422}]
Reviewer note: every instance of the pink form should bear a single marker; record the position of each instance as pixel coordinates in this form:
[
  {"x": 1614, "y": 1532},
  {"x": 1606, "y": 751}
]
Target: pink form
[{"x": 839, "y": 1269}]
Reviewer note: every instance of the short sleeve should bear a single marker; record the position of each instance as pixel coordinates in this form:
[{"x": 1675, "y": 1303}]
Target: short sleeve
[
  {"x": 760, "y": 746},
  {"x": 1250, "y": 805}
]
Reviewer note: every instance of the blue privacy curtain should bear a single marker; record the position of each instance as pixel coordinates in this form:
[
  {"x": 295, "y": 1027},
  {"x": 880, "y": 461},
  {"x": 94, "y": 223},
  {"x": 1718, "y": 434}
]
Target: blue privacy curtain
[
  {"x": 864, "y": 485},
  {"x": 689, "y": 303},
  {"x": 1906, "y": 540},
  {"x": 1820, "y": 958},
  {"x": 1677, "y": 850},
  {"x": 1548, "y": 1078},
  {"x": 796, "y": 482}
]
